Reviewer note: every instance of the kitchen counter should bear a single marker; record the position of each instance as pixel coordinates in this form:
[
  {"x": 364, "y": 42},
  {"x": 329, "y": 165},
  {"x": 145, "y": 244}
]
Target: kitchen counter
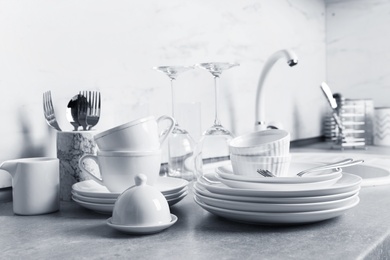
[{"x": 77, "y": 233}]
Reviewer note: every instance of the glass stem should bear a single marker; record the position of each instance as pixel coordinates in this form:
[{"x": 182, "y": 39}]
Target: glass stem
[
  {"x": 216, "y": 120},
  {"x": 173, "y": 101}
]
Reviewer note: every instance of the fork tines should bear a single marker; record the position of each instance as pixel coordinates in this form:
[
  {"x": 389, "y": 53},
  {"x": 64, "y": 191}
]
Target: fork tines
[
  {"x": 48, "y": 111},
  {"x": 89, "y": 108},
  {"x": 265, "y": 173}
]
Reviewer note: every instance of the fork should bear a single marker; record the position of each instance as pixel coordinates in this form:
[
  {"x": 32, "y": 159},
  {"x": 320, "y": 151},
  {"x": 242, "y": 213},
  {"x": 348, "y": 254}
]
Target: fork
[
  {"x": 89, "y": 109},
  {"x": 340, "y": 164},
  {"x": 93, "y": 113},
  {"x": 48, "y": 111}
]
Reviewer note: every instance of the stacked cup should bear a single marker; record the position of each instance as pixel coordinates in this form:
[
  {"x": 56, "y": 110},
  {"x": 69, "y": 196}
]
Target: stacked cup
[
  {"x": 261, "y": 150},
  {"x": 128, "y": 150}
]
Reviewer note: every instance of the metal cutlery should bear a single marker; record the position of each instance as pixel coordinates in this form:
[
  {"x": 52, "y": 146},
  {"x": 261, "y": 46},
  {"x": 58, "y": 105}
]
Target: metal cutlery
[
  {"x": 93, "y": 114},
  {"x": 340, "y": 164},
  {"x": 72, "y": 112},
  {"x": 48, "y": 110},
  {"x": 89, "y": 106},
  {"x": 333, "y": 104}
]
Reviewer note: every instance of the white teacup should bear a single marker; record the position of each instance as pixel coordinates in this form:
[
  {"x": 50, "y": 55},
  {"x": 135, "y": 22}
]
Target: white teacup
[
  {"x": 35, "y": 185},
  {"x": 138, "y": 135},
  {"x": 118, "y": 168}
]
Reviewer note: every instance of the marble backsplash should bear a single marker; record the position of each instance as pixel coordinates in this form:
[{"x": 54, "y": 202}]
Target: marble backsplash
[
  {"x": 358, "y": 49},
  {"x": 111, "y": 46}
]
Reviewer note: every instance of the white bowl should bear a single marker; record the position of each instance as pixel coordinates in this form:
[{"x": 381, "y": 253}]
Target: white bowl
[
  {"x": 277, "y": 165},
  {"x": 272, "y": 142},
  {"x": 259, "y": 158},
  {"x": 141, "y": 205}
]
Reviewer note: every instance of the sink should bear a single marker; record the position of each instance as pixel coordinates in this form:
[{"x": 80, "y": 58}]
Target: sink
[{"x": 374, "y": 171}]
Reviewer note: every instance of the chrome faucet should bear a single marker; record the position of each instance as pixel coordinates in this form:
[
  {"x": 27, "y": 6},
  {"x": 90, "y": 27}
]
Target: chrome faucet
[{"x": 292, "y": 60}]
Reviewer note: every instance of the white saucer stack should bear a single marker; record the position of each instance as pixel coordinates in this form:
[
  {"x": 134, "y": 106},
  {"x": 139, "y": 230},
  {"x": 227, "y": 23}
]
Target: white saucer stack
[
  {"x": 278, "y": 200},
  {"x": 96, "y": 197}
]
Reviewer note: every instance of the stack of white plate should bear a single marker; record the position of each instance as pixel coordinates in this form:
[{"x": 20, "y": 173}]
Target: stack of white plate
[
  {"x": 278, "y": 200},
  {"x": 96, "y": 197}
]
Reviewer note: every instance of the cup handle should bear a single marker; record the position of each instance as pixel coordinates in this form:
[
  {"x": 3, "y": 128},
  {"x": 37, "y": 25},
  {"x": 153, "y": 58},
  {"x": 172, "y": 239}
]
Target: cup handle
[
  {"x": 82, "y": 167},
  {"x": 168, "y": 130}
]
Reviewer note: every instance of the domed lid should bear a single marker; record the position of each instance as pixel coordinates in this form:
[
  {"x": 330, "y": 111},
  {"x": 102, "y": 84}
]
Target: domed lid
[{"x": 141, "y": 205}]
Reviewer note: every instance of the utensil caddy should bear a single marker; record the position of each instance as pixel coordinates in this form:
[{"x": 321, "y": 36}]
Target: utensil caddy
[{"x": 356, "y": 116}]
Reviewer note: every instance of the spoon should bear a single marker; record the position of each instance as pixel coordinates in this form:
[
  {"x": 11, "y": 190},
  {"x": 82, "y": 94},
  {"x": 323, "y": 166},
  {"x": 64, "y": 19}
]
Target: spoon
[{"x": 72, "y": 112}]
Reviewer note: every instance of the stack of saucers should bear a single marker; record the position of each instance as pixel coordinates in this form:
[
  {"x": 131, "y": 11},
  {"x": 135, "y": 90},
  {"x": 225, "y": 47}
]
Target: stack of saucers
[
  {"x": 96, "y": 197},
  {"x": 238, "y": 192}
]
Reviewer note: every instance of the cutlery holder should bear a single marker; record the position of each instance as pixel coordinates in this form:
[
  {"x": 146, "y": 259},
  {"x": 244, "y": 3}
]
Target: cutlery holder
[
  {"x": 357, "y": 116},
  {"x": 71, "y": 146}
]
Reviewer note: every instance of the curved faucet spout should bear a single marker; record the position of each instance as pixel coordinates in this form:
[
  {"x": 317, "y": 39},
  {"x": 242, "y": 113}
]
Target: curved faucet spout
[{"x": 292, "y": 60}]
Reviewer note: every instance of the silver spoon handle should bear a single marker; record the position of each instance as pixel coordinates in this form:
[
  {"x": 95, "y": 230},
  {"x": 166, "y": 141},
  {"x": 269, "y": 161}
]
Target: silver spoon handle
[{"x": 343, "y": 163}]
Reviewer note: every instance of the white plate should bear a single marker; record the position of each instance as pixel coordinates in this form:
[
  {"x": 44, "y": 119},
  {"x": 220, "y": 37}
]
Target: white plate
[
  {"x": 277, "y": 218},
  {"x": 112, "y": 200},
  {"x": 347, "y": 183},
  {"x": 90, "y": 188},
  {"x": 142, "y": 229},
  {"x": 107, "y": 208},
  {"x": 168, "y": 185},
  {"x": 176, "y": 194},
  {"x": 100, "y": 208},
  {"x": 93, "y": 199},
  {"x": 279, "y": 186},
  {"x": 258, "y": 199},
  {"x": 274, "y": 207},
  {"x": 226, "y": 172},
  {"x": 173, "y": 201}
]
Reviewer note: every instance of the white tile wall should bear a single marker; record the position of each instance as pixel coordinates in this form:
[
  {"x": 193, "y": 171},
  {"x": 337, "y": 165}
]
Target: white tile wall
[{"x": 67, "y": 46}]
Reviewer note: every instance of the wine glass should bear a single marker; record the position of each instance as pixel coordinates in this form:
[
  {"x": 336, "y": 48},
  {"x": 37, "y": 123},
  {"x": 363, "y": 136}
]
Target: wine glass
[
  {"x": 180, "y": 143},
  {"x": 213, "y": 146}
]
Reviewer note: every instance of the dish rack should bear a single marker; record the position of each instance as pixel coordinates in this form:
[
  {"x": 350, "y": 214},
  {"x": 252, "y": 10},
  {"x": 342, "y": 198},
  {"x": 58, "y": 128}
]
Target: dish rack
[{"x": 356, "y": 116}]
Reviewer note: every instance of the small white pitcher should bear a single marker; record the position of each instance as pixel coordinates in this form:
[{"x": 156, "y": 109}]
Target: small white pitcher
[{"x": 35, "y": 185}]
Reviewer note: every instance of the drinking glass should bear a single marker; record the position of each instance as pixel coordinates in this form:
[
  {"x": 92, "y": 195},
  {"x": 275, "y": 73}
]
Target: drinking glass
[
  {"x": 180, "y": 143},
  {"x": 213, "y": 147}
]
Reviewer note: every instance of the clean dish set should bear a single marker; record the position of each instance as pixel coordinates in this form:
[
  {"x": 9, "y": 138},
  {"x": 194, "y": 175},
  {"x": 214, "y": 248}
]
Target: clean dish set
[
  {"x": 258, "y": 183},
  {"x": 129, "y": 186},
  {"x": 239, "y": 192}
]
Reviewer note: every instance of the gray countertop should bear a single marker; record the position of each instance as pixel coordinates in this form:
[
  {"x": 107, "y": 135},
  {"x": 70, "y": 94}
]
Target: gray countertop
[{"x": 77, "y": 233}]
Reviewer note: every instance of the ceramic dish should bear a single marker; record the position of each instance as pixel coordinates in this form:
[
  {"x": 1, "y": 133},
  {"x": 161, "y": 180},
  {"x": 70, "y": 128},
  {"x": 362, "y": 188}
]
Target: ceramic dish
[
  {"x": 93, "y": 199},
  {"x": 173, "y": 201},
  {"x": 100, "y": 208},
  {"x": 278, "y": 218},
  {"x": 112, "y": 200},
  {"x": 107, "y": 208},
  {"x": 346, "y": 183},
  {"x": 226, "y": 172},
  {"x": 259, "y": 199},
  {"x": 90, "y": 188},
  {"x": 279, "y": 186},
  {"x": 274, "y": 207},
  {"x": 142, "y": 229},
  {"x": 169, "y": 185},
  {"x": 176, "y": 194}
]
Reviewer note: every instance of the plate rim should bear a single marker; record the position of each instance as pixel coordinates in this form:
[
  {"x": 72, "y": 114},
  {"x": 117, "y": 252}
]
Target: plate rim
[
  {"x": 142, "y": 229},
  {"x": 314, "y": 192}
]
